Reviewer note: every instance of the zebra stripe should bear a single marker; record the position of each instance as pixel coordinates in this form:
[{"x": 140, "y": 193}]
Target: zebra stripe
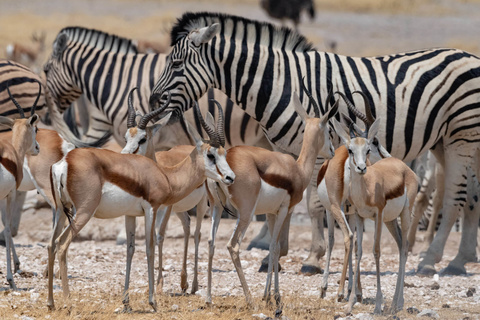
[
  {"x": 420, "y": 97},
  {"x": 105, "y": 67},
  {"x": 23, "y": 84}
]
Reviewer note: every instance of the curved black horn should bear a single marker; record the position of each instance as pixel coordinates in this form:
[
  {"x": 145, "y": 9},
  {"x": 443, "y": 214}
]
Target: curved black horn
[
  {"x": 34, "y": 106},
  {"x": 131, "y": 110},
  {"x": 209, "y": 130},
  {"x": 220, "y": 124},
  {"x": 20, "y": 110},
  {"x": 316, "y": 109},
  {"x": 353, "y": 134},
  {"x": 353, "y": 109},
  {"x": 142, "y": 124},
  {"x": 368, "y": 110}
]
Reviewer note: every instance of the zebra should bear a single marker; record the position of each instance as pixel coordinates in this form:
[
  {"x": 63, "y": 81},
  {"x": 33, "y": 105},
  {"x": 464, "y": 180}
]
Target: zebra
[
  {"x": 104, "y": 67},
  {"x": 422, "y": 96}
]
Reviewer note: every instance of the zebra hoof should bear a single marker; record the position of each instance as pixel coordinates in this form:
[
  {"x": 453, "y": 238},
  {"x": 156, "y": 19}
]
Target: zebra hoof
[
  {"x": 264, "y": 267},
  {"x": 453, "y": 271},
  {"x": 426, "y": 271},
  {"x": 309, "y": 270}
]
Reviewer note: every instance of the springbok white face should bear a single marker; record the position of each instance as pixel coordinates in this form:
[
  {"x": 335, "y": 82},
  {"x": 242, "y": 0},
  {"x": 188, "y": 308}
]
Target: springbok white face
[
  {"x": 217, "y": 167},
  {"x": 359, "y": 148}
]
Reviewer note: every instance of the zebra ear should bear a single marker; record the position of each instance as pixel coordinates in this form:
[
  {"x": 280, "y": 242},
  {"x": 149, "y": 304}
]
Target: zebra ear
[
  {"x": 205, "y": 34},
  {"x": 59, "y": 45},
  {"x": 298, "y": 107}
]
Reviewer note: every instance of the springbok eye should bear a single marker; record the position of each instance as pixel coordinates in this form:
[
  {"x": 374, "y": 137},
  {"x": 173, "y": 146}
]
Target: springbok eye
[
  {"x": 142, "y": 141},
  {"x": 350, "y": 151},
  {"x": 176, "y": 63},
  {"x": 368, "y": 151},
  {"x": 211, "y": 157}
]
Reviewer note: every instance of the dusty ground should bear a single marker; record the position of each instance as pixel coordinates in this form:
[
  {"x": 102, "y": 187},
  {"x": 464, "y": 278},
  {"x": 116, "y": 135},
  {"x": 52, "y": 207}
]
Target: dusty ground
[
  {"x": 97, "y": 271},
  {"x": 97, "y": 264}
]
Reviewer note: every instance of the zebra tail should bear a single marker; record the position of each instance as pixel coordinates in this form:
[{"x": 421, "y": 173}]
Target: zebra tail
[{"x": 63, "y": 129}]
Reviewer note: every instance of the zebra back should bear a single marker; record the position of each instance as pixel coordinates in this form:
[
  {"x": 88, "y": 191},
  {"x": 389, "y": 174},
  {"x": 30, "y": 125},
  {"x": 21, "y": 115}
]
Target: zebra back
[{"x": 23, "y": 84}]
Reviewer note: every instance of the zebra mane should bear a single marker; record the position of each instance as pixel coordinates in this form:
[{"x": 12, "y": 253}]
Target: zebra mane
[
  {"x": 99, "y": 39},
  {"x": 282, "y": 37}
]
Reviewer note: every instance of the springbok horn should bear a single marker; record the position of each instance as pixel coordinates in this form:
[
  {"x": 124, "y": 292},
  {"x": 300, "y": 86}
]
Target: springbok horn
[
  {"x": 368, "y": 110},
  {"x": 131, "y": 110},
  {"x": 34, "y": 107},
  {"x": 220, "y": 124},
  {"x": 20, "y": 110},
  {"x": 142, "y": 124},
  {"x": 352, "y": 131},
  {"x": 353, "y": 109},
  {"x": 209, "y": 130},
  {"x": 316, "y": 109}
]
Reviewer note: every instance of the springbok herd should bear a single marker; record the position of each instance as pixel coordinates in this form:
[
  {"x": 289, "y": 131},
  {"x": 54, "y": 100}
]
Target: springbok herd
[{"x": 342, "y": 126}]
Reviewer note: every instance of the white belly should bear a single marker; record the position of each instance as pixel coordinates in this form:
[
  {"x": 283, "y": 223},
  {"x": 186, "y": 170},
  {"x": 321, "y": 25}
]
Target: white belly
[
  {"x": 8, "y": 182},
  {"x": 27, "y": 183},
  {"x": 190, "y": 201},
  {"x": 116, "y": 202},
  {"x": 394, "y": 207},
  {"x": 270, "y": 199}
]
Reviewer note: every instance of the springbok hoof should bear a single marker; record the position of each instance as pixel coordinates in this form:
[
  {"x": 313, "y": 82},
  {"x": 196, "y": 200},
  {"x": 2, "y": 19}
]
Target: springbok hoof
[
  {"x": 154, "y": 305},
  {"x": 309, "y": 270},
  {"x": 264, "y": 267},
  {"x": 323, "y": 292}
]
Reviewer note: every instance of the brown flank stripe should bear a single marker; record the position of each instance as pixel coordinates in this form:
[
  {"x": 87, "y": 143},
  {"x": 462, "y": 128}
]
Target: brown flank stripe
[
  {"x": 11, "y": 167},
  {"x": 321, "y": 173}
]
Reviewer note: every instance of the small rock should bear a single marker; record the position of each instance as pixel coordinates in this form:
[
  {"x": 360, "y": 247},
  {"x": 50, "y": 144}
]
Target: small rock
[
  {"x": 435, "y": 286},
  {"x": 428, "y": 313},
  {"x": 471, "y": 291},
  {"x": 445, "y": 306},
  {"x": 259, "y": 315},
  {"x": 435, "y": 277},
  {"x": 175, "y": 307},
  {"x": 413, "y": 310}
]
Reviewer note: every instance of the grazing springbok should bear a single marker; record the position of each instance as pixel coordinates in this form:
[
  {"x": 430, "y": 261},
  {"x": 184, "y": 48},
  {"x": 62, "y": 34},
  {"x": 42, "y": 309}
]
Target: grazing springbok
[
  {"x": 139, "y": 140},
  {"x": 272, "y": 183},
  {"x": 106, "y": 184},
  {"x": 382, "y": 191},
  {"x": 12, "y": 156},
  {"x": 333, "y": 183}
]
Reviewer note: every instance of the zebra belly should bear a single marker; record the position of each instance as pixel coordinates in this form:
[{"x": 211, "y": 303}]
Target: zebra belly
[
  {"x": 190, "y": 201},
  {"x": 270, "y": 199},
  {"x": 8, "y": 182},
  {"x": 116, "y": 202}
]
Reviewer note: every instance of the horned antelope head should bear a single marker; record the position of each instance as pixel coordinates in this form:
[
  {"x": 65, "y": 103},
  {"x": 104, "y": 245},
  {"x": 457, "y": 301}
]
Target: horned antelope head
[
  {"x": 213, "y": 150},
  {"x": 139, "y": 137},
  {"x": 24, "y": 129},
  {"x": 359, "y": 143},
  {"x": 326, "y": 149}
]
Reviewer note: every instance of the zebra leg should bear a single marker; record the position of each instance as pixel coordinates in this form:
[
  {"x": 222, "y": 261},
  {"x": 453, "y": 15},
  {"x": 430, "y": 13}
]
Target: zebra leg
[
  {"x": 455, "y": 173},
  {"x": 311, "y": 265},
  {"x": 262, "y": 239},
  {"x": 436, "y": 205},
  {"x": 468, "y": 244}
]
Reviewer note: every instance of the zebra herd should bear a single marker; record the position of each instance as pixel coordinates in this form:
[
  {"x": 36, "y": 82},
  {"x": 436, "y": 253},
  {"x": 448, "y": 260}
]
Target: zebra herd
[{"x": 423, "y": 100}]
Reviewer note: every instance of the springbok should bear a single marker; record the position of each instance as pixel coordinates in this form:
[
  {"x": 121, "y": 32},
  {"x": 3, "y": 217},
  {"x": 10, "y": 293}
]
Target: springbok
[
  {"x": 382, "y": 191},
  {"x": 107, "y": 184},
  {"x": 272, "y": 183},
  {"x": 139, "y": 140},
  {"x": 12, "y": 156},
  {"x": 332, "y": 187}
]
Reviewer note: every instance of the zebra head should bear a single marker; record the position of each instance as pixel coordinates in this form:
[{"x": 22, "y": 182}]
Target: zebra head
[
  {"x": 63, "y": 87},
  {"x": 186, "y": 75},
  {"x": 139, "y": 137}
]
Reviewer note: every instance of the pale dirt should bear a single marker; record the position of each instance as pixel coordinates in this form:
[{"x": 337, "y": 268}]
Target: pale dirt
[{"x": 97, "y": 264}]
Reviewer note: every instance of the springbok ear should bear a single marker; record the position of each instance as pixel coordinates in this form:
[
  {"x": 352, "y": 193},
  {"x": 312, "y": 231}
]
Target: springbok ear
[
  {"x": 341, "y": 131},
  {"x": 210, "y": 120},
  {"x": 59, "y": 45},
  {"x": 298, "y": 107},
  {"x": 372, "y": 132},
  {"x": 331, "y": 113},
  {"x": 4, "y": 121},
  {"x": 161, "y": 123},
  {"x": 33, "y": 119},
  {"x": 194, "y": 134},
  {"x": 205, "y": 34}
]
